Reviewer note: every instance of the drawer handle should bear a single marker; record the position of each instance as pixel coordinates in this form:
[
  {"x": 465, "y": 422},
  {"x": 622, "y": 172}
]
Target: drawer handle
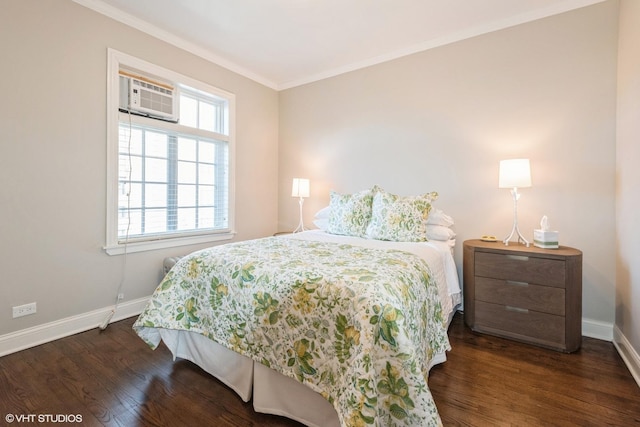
[
  {"x": 518, "y": 257},
  {"x": 516, "y": 309},
  {"x": 516, "y": 283}
]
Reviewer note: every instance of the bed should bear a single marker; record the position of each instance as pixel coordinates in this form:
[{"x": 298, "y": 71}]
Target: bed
[{"x": 327, "y": 329}]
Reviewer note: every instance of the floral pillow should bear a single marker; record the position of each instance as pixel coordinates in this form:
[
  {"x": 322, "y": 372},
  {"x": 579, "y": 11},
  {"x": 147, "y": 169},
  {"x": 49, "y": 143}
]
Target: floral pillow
[
  {"x": 350, "y": 213},
  {"x": 400, "y": 219}
]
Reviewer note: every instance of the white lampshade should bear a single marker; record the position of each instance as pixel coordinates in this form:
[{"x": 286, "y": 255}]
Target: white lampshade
[
  {"x": 514, "y": 173},
  {"x": 300, "y": 187}
]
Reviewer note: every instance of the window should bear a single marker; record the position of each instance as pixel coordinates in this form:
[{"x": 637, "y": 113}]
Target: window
[{"x": 171, "y": 183}]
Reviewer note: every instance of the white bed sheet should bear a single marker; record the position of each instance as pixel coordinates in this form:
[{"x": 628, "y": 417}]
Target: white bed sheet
[{"x": 276, "y": 394}]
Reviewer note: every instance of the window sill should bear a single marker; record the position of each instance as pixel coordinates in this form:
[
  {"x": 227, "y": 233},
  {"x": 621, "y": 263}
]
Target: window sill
[{"x": 150, "y": 245}]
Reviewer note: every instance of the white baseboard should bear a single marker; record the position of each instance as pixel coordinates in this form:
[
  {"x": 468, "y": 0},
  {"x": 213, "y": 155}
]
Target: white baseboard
[
  {"x": 596, "y": 329},
  {"x": 31, "y": 337},
  {"x": 628, "y": 353}
]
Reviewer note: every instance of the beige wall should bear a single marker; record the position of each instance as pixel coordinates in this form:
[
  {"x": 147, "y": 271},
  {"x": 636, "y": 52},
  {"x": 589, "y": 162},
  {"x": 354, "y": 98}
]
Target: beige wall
[
  {"x": 53, "y": 158},
  {"x": 628, "y": 179},
  {"x": 442, "y": 119}
]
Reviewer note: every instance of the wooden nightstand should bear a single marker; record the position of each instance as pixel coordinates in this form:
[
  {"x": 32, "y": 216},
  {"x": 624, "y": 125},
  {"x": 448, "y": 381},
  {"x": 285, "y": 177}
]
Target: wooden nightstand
[{"x": 530, "y": 294}]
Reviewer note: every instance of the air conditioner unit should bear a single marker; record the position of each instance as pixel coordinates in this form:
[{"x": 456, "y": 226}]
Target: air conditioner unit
[{"x": 147, "y": 97}]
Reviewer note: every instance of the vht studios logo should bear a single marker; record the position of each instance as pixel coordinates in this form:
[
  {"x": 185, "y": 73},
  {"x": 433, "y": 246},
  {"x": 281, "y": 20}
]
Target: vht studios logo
[{"x": 43, "y": 418}]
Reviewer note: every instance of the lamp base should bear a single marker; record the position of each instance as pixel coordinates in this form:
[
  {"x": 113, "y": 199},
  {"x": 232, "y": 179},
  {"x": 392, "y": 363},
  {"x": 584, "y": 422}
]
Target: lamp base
[
  {"x": 300, "y": 227},
  {"x": 515, "y": 229}
]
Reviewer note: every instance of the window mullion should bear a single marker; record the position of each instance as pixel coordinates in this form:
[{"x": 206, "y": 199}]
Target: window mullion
[
  {"x": 143, "y": 186},
  {"x": 221, "y": 183},
  {"x": 197, "y": 183},
  {"x": 172, "y": 183}
]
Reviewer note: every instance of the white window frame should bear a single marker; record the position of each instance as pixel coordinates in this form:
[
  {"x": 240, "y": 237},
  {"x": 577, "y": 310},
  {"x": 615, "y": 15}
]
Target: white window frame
[{"x": 115, "y": 246}]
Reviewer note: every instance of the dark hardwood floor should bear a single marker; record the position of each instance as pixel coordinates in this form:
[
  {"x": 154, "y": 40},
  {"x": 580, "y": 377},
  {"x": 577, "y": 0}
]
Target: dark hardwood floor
[
  {"x": 489, "y": 381},
  {"x": 112, "y": 378}
]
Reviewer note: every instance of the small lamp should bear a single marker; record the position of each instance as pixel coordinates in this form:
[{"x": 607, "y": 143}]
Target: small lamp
[
  {"x": 514, "y": 174},
  {"x": 300, "y": 188}
]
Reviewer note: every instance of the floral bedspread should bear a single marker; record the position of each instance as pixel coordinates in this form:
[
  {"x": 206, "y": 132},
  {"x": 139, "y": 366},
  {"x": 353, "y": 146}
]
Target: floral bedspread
[{"x": 358, "y": 325}]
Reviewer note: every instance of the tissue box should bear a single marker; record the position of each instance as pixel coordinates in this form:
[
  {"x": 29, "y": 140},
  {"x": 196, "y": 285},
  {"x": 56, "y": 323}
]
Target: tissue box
[{"x": 545, "y": 239}]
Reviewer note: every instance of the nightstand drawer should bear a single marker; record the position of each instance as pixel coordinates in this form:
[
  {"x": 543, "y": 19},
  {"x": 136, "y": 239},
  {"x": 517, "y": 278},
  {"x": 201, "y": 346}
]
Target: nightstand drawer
[
  {"x": 542, "y": 271},
  {"x": 545, "y": 299},
  {"x": 521, "y": 324}
]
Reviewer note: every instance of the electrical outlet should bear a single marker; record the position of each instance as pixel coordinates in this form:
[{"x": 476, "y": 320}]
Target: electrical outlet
[
  {"x": 120, "y": 297},
  {"x": 24, "y": 310}
]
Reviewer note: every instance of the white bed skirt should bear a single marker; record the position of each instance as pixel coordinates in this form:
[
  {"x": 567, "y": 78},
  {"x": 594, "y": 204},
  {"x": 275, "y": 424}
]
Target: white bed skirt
[
  {"x": 233, "y": 369},
  {"x": 273, "y": 393},
  {"x": 276, "y": 394}
]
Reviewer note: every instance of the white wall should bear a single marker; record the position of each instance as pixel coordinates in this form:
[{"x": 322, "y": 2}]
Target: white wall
[
  {"x": 53, "y": 159},
  {"x": 442, "y": 119},
  {"x": 627, "y": 190}
]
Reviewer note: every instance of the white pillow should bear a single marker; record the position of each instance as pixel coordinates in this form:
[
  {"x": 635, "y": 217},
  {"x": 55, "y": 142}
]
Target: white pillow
[
  {"x": 321, "y": 223},
  {"x": 439, "y": 232},
  {"x": 323, "y": 213},
  {"x": 437, "y": 217}
]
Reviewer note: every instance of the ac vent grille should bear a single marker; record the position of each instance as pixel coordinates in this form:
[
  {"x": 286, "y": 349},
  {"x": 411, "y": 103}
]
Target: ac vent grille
[
  {"x": 142, "y": 96},
  {"x": 153, "y": 100}
]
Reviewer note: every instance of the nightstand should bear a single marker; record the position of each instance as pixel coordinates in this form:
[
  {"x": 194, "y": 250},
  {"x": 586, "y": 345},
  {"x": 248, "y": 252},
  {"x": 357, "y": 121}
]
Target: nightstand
[{"x": 524, "y": 293}]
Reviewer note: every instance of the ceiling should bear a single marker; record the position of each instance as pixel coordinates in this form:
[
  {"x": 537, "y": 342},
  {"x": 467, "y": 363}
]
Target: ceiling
[{"x": 286, "y": 43}]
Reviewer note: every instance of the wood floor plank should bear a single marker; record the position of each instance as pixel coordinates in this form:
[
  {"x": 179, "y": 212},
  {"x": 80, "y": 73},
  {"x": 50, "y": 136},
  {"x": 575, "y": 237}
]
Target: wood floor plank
[{"x": 111, "y": 378}]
